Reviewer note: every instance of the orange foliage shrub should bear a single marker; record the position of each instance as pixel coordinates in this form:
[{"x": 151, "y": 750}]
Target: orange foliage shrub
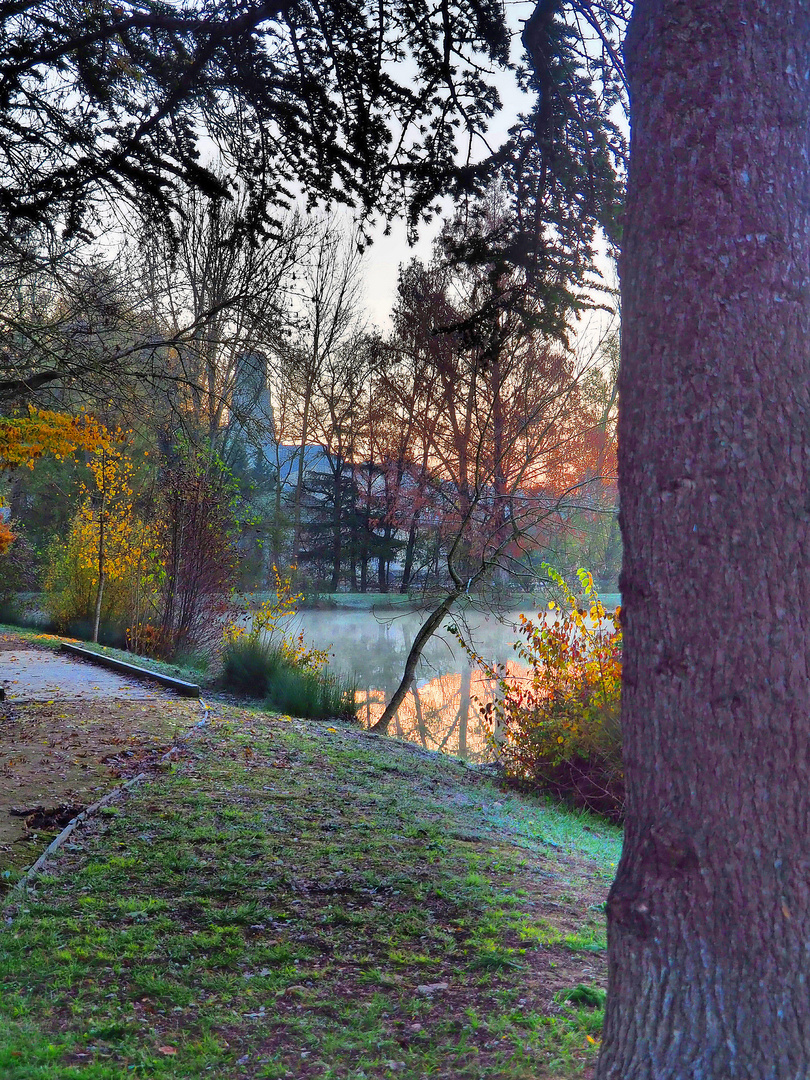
[{"x": 558, "y": 727}]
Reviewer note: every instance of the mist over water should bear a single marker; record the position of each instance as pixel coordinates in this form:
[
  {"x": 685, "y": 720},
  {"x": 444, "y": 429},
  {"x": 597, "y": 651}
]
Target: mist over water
[{"x": 442, "y": 712}]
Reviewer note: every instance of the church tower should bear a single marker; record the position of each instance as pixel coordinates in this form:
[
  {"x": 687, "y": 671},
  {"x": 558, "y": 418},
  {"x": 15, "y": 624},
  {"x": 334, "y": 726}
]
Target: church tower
[{"x": 251, "y": 408}]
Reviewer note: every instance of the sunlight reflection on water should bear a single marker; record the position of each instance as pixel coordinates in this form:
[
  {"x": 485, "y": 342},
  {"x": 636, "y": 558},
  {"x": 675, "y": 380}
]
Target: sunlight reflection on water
[{"x": 443, "y": 710}]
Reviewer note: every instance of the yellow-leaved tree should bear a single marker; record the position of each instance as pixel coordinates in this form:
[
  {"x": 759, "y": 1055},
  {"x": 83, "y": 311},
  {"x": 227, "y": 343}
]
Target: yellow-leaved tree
[
  {"x": 25, "y": 439},
  {"x": 109, "y": 553}
]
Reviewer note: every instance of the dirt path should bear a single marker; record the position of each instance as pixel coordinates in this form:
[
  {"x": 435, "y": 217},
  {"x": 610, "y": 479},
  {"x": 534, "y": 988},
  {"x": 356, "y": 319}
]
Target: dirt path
[
  {"x": 31, "y": 674},
  {"x": 69, "y": 732}
]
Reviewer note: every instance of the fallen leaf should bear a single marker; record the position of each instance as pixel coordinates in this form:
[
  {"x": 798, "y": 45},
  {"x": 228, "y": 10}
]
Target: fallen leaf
[{"x": 169, "y": 1051}]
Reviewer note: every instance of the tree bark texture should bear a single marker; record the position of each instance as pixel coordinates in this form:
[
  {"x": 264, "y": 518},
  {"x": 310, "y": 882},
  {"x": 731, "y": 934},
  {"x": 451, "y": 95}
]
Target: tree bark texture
[
  {"x": 410, "y": 548},
  {"x": 709, "y": 917}
]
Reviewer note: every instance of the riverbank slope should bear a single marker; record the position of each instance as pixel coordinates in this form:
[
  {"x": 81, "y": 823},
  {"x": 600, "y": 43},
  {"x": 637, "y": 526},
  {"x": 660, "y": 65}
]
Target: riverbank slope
[{"x": 301, "y": 900}]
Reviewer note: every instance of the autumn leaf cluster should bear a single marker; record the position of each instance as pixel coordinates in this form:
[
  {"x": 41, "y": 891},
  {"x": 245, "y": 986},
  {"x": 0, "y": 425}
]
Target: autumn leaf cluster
[
  {"x": 273, "y": 622},
  {"x": 24, "y": 440},
  {"x": 556, "y": 725}
]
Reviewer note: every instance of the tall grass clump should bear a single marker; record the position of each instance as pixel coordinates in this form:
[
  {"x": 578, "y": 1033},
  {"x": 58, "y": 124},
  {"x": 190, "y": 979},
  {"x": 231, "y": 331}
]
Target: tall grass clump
[
  {"x": 315, "y": 695},
  {"x": 249, "y": 665},
  {"x": 269, "y": 660},
  {"x": 557, "y": 729}
]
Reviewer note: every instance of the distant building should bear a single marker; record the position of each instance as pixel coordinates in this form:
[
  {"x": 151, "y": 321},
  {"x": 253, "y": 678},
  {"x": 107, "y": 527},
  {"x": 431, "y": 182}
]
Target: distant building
[{"x": 252, "y": 422}]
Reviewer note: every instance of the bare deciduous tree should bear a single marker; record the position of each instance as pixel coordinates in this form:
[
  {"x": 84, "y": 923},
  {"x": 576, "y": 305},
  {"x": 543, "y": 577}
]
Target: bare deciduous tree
[
  {"x": 327, "y": 314},
  {"x": 221, "y": 296},
  {"x": 506, "y": 432}
]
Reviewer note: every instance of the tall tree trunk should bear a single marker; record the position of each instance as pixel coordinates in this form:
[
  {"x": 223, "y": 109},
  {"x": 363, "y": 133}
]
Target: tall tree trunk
[
  {"x": 414, "y": 529},
  {"x": 299, "y": 481},
  {"x": 709, "y": 917},
  {"x": 410, "y": 548},
  {"x": 102, "y": 577},
  {"x": 365, "y": 532},
  {"x": 384, "y": 560},
  {"x": 102, "y": 568},
  {"x": 364, "y": 567},
  {"x": 277, "y": 529},
  {"x": 167, "y": 624},
  {"x": 336, "y": 536}
]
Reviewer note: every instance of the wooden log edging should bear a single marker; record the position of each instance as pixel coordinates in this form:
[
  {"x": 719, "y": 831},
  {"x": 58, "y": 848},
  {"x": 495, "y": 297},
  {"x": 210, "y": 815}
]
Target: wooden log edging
[
  {"x": 54, "y": 845},
  {"x": 186, "y": 689},
  {"x": 90, "y": 811}
]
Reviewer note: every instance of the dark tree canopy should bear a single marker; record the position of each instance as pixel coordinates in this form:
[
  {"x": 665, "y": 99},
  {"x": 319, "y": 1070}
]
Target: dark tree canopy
[
  {"x": 378, "y": 104},
  {"x": 107, "y": 106},
  {"x": 350, "y": 100},
  {"x": 558, "y": 178}
]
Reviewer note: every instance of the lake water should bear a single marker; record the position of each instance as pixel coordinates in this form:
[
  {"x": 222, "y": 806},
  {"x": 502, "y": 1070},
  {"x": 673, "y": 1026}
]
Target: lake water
[{"x": 442, "y": 711}]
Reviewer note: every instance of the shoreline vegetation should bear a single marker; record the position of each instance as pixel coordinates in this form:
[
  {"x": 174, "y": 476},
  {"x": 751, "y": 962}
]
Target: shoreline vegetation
[
  {"x": 28, "y": 605},
  {"x": 563, "y": 740},
  {"x": 517, "y": 601}
]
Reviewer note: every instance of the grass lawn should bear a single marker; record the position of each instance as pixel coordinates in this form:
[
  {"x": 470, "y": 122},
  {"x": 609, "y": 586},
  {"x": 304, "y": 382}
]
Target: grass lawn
[{"x": 305, "y": 900}]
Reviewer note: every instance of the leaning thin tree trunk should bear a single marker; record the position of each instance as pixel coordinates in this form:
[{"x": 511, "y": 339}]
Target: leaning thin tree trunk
[
  {"x": 709, "y": 917},
  {"x": 101, "y": 567},
  {"x": 428, "y": 628},
  {"x": 337, "y": 543}
]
